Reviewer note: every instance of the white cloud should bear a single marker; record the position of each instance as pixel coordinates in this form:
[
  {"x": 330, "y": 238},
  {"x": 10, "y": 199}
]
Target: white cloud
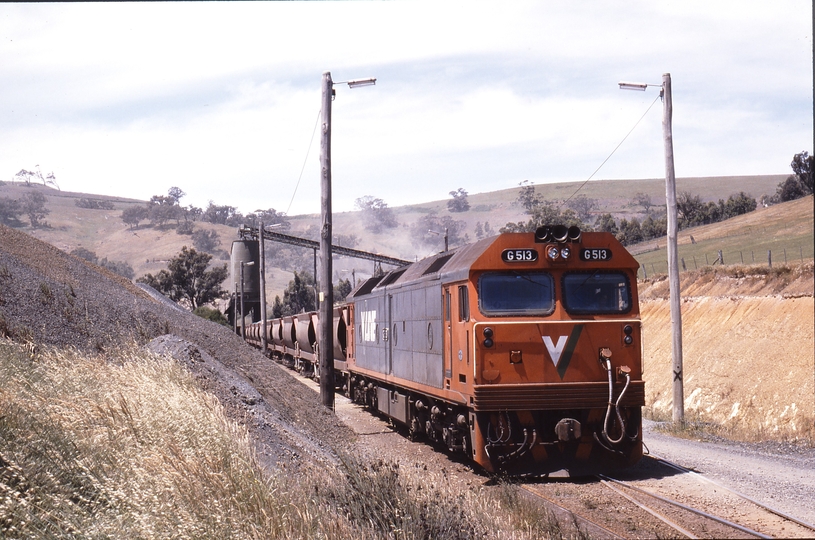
[{"x": 221, "y": 98}]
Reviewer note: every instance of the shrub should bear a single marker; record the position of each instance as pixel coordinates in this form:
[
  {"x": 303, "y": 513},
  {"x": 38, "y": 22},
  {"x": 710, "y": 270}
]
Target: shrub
[{"x": 211, "y": 314}]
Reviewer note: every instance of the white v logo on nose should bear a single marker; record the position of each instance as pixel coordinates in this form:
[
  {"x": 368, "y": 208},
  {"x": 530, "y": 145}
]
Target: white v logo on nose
[{"x": 555, "y": 350}]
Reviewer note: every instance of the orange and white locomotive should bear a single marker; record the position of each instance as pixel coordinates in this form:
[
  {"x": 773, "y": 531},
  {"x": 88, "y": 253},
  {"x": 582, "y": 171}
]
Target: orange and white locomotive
[{"x": 522, "y": 351}]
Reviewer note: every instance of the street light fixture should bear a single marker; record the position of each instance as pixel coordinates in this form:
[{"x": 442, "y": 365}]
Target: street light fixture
[
  {"x": 673, "y": 258},
  {"x": 326, "y": 297},
  {"x": 354, "y": 83},
  {"x": 634, "y": 86}
]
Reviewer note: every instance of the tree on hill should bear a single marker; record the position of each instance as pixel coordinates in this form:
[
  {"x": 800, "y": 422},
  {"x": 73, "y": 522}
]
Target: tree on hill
[
  {"x": 341, "y": 290},
  {"x": 205, "y": 240},
  {"x": 27, "y": 176},
  {"x": 582, "y": 206},
  {"x": 297, "y": 298},
  {"x": 644, "y": 200},
  {"x": 605, "y": 223},
  {"x": 541, "y": 212},
  {"x": 268, "y": 217},
  {"x": 376, "y": 214},
  {"x": 133, "y": 215},
  {"x": 176, "y": 194},
  {"x": 799, "y": 184},
  {"x": 188, "y": 280},
  {"x": 736, "y": 205},
  {"x": 10, "y": 210},
  {"x": 222, "y": 215},
  {"x": 802, "y": 165},
  {"x": 629, "y": 232},
  {"x": 654, "y": 228},
  {"x": 459, "y": 202},
  {"x": 211, "y": 314},
  {"x": 33, "y": 204},
  {"x": 163, "y": 208}
]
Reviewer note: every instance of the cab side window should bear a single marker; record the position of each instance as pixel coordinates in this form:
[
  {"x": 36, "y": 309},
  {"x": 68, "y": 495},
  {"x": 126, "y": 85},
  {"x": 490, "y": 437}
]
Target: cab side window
[{"x": 463, "y": 303}]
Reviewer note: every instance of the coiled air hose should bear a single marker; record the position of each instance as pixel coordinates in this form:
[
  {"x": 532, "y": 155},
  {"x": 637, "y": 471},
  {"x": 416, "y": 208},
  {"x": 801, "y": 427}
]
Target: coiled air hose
[{"x": 616, "y": 405}]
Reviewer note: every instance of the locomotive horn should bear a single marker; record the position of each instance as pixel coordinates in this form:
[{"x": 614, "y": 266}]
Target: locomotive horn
[
  {"x": 574, "y": 233},
  {"x": 560, "y": 233},
  {"x": 543, "y": 234}
]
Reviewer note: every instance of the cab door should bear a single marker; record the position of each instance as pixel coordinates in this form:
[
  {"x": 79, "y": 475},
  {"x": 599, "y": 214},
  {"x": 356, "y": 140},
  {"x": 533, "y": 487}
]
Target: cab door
[{"x": 448, "y": 335}]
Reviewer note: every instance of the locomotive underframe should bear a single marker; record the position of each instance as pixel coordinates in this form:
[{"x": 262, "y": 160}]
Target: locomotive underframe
[{"x": 527, "y": 442}]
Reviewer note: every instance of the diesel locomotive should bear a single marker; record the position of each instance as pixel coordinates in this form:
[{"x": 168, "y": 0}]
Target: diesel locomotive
[{"x": 521, "y": 351}]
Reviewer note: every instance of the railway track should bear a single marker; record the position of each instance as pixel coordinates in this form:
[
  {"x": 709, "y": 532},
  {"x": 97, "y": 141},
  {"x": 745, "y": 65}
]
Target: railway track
[{"x": 662, "y": 499}]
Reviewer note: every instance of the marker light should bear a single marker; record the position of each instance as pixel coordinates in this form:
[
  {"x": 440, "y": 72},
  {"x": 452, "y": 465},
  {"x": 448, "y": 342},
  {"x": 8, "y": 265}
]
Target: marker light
[
  {"x": 488, "y": 335},
  {"x": 552, "y": 252},
  {"x": 628, "y": 330},
  {"x": 565, "y": 252}
]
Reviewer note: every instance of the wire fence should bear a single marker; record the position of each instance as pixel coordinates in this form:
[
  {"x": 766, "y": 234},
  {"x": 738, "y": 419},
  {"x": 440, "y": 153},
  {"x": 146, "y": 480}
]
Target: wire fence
[{"x": 768, "y": 257}]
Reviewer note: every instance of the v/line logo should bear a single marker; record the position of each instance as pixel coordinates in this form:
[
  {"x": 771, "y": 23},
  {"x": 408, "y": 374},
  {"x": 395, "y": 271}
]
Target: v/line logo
[{"x": 562, "y": 351}]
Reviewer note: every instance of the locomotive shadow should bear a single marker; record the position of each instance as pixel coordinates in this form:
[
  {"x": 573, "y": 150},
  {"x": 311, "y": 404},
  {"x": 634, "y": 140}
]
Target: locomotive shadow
[{"x": 646, "y": 468}]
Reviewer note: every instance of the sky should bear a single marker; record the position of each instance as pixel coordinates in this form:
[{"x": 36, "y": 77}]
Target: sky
[{"x": 222, "y": 99}]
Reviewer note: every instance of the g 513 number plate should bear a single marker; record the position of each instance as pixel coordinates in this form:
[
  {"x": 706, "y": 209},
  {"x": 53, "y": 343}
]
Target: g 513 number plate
[{"x": 519, "y": 255}]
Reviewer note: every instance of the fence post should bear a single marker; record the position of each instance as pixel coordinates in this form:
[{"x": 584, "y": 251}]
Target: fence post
[
  {"x": 684, "y": 268},
  {"x": 721, "y": 258},
  {"x": 706, "y": 261},
  {"x": 644, "y": 272},
  {"x": 654, "y": 270},
  {"x": 802, "y": 253},
  {"x": 695, "y": 266},
  {"x": 785, "y": 255},
  {"x": 742, "y": 257},
  {"x": 770, "y": 257},
  {"x": 753, "y": 255}
]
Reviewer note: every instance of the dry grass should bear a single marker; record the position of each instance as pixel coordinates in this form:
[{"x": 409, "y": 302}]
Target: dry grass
[
  {"x": 130, "y": 447},
  {"x": 748, "y": 430}
]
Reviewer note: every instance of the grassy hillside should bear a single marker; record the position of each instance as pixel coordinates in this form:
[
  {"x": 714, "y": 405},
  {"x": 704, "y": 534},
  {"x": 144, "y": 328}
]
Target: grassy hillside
[
  {"x": 147, "y": 249},
  {"x": 785, "y": 229}
]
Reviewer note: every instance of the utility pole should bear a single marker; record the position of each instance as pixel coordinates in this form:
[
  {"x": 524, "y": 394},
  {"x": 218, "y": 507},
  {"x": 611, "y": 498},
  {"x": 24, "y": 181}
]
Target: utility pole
[
  {"x": 326, "y": 336},
  {"x": 673, "y": 258},
  {"x": 263, "y": 340}
]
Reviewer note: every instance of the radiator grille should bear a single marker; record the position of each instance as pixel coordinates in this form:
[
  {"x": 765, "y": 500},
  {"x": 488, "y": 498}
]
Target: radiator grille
[{"x": 551, "y": 396}]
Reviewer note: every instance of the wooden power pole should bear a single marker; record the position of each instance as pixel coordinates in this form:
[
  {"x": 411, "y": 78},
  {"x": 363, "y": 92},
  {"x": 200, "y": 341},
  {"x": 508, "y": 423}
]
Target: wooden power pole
[
  {"x": 326, "y": 337},
  {"x": 673, "y": 258}
]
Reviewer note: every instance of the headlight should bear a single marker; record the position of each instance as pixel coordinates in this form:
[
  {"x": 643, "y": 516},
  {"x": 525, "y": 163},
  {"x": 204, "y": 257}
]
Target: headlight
[
  {"x": 552, "y": 252},
  {"x": 565, "y": 252}
]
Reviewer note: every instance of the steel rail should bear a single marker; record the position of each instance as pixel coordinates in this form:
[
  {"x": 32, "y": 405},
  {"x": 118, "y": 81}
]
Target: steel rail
[
  {"x": 717, "y": 519},
  {"x": 584, "y": 520},
  {"x": 737, "y": 493},
  {"x": 651, "y": 511}
]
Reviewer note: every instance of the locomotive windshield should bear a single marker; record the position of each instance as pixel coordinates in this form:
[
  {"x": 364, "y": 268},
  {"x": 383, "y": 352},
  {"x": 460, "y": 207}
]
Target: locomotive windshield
[
  {"x": 596, "y": 293},
  {"x": 516, "y": 293}
]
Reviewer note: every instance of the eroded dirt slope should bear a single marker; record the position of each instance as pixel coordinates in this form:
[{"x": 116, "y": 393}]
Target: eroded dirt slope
[{"x": 748, "y": 352}]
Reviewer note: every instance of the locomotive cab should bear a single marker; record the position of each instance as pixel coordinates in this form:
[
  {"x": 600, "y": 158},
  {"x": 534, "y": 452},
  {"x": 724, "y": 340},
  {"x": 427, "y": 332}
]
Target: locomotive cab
[{"x": 557, "y": 358}]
